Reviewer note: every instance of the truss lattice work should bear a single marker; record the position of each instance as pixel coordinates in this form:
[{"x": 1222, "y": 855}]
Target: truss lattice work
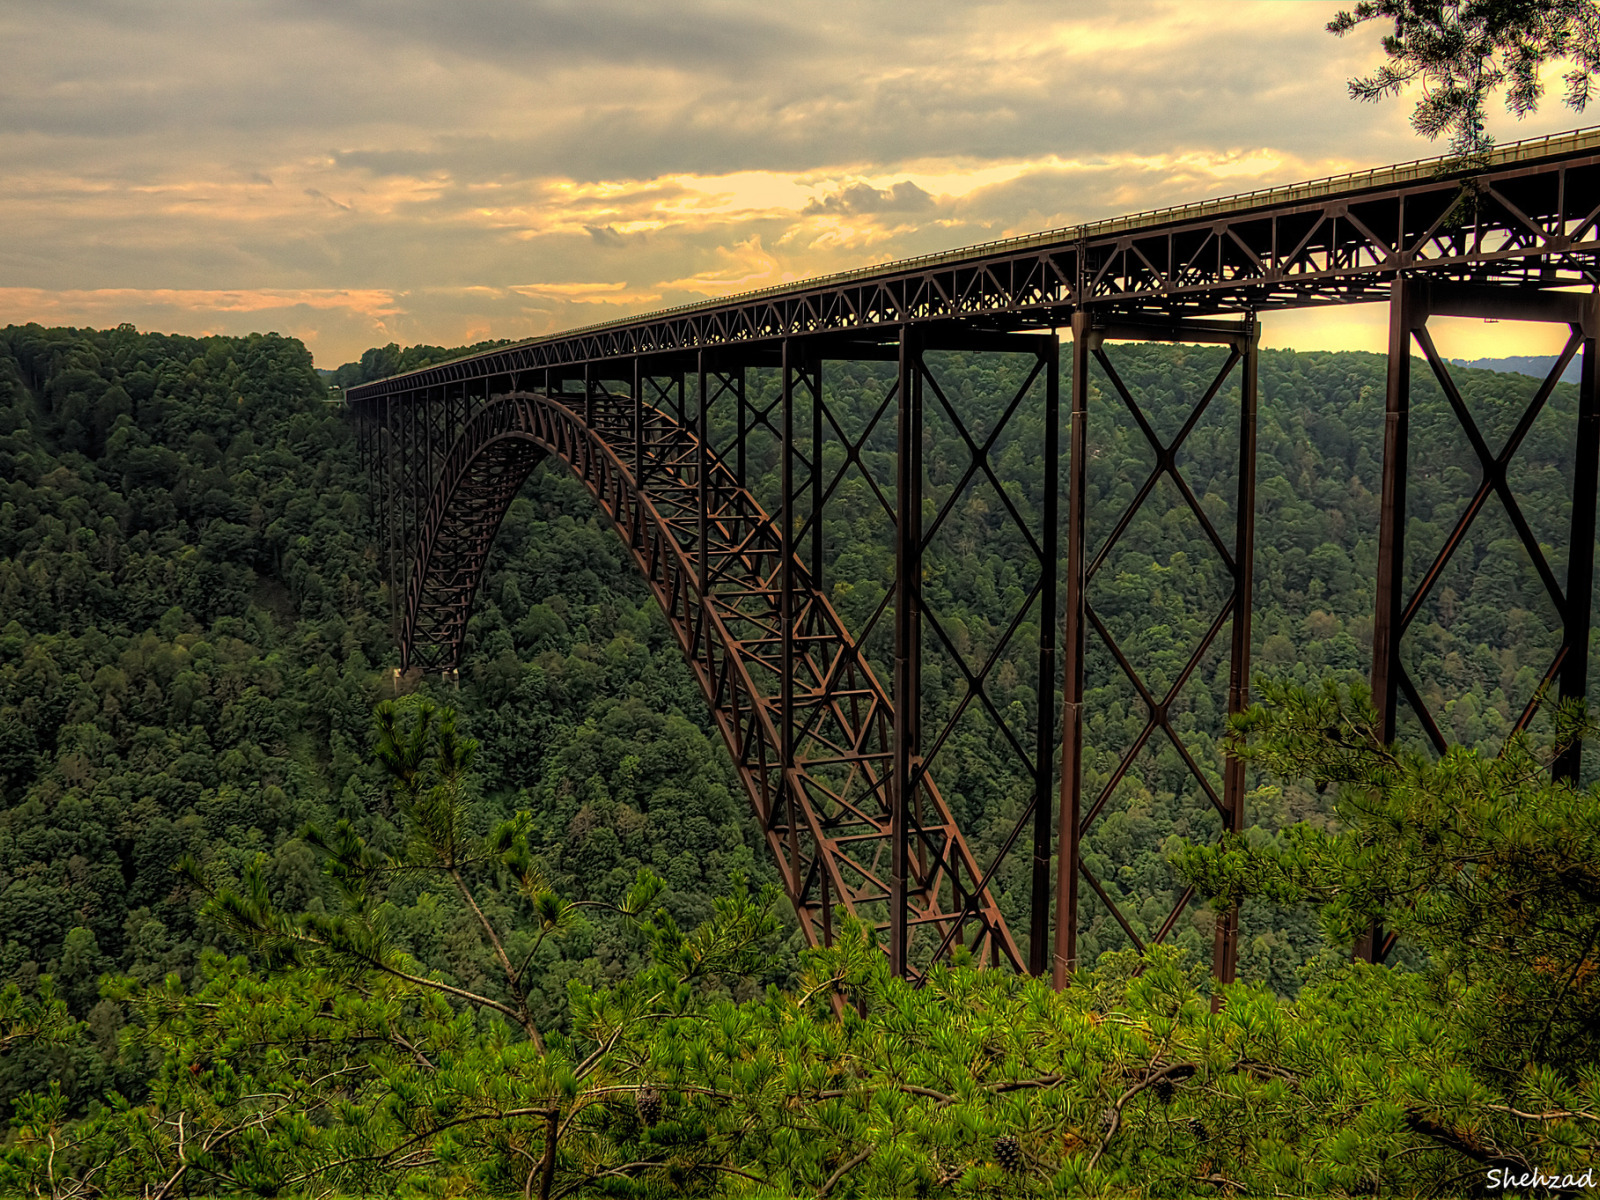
[{"x": 666, "y": 418}]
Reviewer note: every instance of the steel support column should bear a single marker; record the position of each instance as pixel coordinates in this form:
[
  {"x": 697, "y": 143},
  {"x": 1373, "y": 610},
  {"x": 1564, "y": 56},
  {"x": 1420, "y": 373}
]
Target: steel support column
[
  {"x": 793, "y": 803},
  {"x": 1390, "y": 595},
  {"x": 701, "y": 466},
  {"x": 817, "y": 500},
  {"x": 1412, "y": 303},
  {"x": 907, "y": 640},
  {"x": 407, "y": 525},
  {"x": 1074, "y": 820},
  {"x": 1225, "y": 952},
  {"x": 1044, "y": 751},
  {"x": 1580, "y": 544},
  {"x": 1065, "y": 958},
  {"x": 637, "y": 412}
]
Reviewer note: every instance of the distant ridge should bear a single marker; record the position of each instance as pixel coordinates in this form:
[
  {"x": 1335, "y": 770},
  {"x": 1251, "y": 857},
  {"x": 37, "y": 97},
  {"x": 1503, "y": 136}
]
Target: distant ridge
[{"x": 1537, "y": 365}]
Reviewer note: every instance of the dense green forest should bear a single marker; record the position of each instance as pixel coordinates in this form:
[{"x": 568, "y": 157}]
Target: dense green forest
[
  {"x": 230, "y": 895},
  {"x": 195, "y": 627}
]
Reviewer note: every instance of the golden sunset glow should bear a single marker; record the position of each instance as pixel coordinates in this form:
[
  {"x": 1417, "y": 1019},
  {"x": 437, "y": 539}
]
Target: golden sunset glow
[{"x": 516, "y": 169}]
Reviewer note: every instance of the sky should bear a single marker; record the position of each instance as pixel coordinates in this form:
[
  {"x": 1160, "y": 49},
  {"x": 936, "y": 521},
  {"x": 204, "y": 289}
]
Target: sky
[{"x": 356, "y": 172}]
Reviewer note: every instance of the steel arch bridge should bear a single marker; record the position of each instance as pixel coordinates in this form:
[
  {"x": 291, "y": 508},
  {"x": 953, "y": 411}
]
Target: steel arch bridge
[{"x": 669, "y": 419}]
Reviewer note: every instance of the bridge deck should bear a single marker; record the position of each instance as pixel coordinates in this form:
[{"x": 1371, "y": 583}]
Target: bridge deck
[{"x": 1526, "y": 215}]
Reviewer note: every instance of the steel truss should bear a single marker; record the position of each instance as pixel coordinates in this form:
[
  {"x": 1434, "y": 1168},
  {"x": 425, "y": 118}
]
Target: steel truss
[
  {"x": 1076, "y": 817},
  {"x": 673, "y": 421},
  {"x": 1412, "y": 302},
  {"x": 842, "y": 783},
  {"x": 1530, "y": 218}
]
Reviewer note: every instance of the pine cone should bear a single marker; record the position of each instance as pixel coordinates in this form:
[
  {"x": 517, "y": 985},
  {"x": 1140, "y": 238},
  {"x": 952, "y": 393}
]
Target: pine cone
[
  {"x": 1163, "y": 1089},
  {"x": 647, "y": 1103},
  {"x": 1008, "y": 1152},
  {"x": 1198, "y": 1128}
]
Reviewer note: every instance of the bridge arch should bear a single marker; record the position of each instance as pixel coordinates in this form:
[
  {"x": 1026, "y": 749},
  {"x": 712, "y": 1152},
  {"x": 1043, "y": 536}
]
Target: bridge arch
[
  {"x": 811, "y": 757},
  {"x": 483, "y": 470}
]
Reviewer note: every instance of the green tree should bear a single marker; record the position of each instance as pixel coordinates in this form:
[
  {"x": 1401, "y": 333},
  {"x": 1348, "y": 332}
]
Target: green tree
[
  {"x": 40, "y": 1017},
  {"x": 1463, "y": 51},
  {"x": 525, "y": 1088},
  {"x": 1487, "y": 864}
]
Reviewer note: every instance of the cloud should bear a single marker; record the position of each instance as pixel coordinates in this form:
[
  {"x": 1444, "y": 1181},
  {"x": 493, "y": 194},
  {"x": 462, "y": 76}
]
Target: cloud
[
  {"x": 411, "y": 170},
  {"x": 109, "y": 301},
  {"x": 742, "y": 267},
  {"x": 585, "y": 293},
  {"x": 904, "y": 196}
]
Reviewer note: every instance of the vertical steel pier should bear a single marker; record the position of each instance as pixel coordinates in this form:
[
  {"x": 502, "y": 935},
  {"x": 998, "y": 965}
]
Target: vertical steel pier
[
  {"x": 1077, "y": 812},
  {"x": 1412, "y": 303}
]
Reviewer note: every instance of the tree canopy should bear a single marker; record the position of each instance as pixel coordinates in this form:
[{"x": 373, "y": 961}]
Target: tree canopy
[
  {"x": 340, "y": 1064},
  {"x": 1463, "y": 51}
]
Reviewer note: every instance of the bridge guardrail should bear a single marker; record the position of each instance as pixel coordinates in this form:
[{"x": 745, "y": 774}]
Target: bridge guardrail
[{"x": 1412, "y": 171}]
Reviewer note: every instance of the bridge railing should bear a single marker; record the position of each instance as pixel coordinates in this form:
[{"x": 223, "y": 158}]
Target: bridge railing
[{"x": 1416, "y": 170}]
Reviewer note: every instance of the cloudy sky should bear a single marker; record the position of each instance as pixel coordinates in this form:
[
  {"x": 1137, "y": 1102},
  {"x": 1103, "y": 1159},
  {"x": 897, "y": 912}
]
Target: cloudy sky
[{"x": 354, "y": 172}]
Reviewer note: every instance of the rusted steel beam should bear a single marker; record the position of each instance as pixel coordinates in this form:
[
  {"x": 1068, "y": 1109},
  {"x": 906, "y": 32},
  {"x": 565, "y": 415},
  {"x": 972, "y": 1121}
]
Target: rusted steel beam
[
  {"x": 1580, "y": 539},
  {"x": 1065, "y": 958},
  {"x": 1044, "y": 791},
  {"x": 1225, "y": 953},
  {"x": 1530, "y": 218},
  {"x": 905, "y": 783},
  {"x": 1075, "y": 816},
  {"x": 810, "y": 730},
  {"x": 1390, "y": 591}
]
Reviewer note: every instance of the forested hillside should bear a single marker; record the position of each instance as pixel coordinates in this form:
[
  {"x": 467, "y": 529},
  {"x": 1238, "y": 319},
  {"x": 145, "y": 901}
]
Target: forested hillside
[
  {"x": 194, "y": 633},
  {"x": 194, "y": 626}
]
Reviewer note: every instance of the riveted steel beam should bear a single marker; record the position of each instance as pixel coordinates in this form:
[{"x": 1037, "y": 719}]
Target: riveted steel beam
[
  {"x": 1413, "y": 301},
  {"x": 1078, "y": 809}
]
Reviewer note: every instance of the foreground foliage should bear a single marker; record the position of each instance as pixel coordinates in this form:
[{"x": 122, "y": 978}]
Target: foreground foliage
[
  {"x": 346, "y": 1065},
  {"x": 1482, "y": 862}
]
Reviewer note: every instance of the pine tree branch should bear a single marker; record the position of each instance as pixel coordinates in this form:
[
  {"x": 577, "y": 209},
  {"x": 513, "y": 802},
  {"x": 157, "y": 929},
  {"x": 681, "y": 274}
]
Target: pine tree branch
[
  {"x": 422, "y": 1059},
  {"x": 525, "y": 1019},
  {"x": 533, "y": 1170},
  {"x": 528, "y": 961},
  {"x": 377, "y": 964},
  {"x": 600, "y": 1051},
  {"x": 1418, "y": 1123},
  {"x": 547, "y": 1164},
  {"x": 1172, "y": 1071},
  {"x": 1566, "y": 985},
  {"x": 1017, "y": 1085},
  {"x": 910, "y": 1089},
  {"x": 943, "y": 1098},
  {"x": 1263, "y": 1070},
  {"x": 636, "y": 1088},
  {"x": 646, "y": 1165},
  {"x": 844, "y": 1169},
  {"x": 391, "y": 1156},
  {"x": 1559, "y": 1114}
]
